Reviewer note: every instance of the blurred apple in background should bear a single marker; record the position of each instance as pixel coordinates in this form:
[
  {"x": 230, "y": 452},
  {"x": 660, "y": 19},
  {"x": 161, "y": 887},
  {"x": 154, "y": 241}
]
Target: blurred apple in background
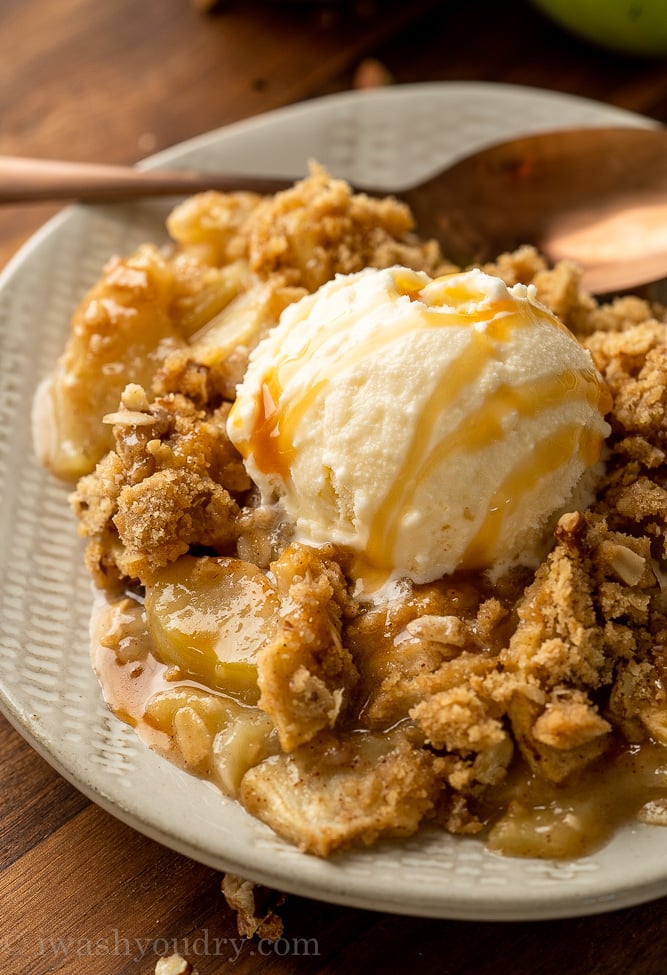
[{"x": 631, "y": 26}]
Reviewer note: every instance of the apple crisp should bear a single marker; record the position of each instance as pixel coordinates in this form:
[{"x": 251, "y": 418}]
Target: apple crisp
[{"x": 530, "y": 709}]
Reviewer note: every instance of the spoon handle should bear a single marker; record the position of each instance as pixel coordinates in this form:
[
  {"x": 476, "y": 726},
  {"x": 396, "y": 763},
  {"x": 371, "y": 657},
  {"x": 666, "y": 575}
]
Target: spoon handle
[{"x": 24, "y": 180}]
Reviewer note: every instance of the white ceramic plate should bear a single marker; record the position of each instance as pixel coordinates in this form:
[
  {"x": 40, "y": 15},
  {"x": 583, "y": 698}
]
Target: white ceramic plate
[{"x": 47, "y": 689}]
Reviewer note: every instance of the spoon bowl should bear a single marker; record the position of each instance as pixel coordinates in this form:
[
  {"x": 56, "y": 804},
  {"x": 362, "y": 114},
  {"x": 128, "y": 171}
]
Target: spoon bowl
[
  {"x": 597, "y": 196},
  {"x": 594, "y": 196}
]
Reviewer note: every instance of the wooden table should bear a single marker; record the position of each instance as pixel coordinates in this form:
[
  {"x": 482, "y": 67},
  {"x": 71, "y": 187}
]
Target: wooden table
[{"x": 83, "y": 79}]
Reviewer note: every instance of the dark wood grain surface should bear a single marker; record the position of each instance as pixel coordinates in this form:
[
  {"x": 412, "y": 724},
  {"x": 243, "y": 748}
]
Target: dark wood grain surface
[{"x": 80, "y": 892}]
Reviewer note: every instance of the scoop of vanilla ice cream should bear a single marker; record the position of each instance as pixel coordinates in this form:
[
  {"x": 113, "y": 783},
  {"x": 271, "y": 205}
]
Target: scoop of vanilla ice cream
[{"x": 428, "y": 425}]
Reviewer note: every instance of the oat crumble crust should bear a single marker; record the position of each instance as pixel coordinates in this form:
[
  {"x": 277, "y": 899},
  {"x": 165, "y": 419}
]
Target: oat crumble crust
[{"x": 413, "y": 711}]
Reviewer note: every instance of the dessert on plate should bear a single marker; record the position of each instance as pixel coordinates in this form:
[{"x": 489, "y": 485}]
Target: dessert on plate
[{"x": 377, "y": 542}]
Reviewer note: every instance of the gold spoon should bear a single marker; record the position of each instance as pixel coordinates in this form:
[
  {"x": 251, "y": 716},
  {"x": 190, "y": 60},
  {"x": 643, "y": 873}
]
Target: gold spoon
[{"x": 597, "y": 196}]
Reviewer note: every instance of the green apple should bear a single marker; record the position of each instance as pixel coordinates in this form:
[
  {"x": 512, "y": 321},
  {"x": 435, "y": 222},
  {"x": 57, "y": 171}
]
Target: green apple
[{"x": 631, "y": 26}]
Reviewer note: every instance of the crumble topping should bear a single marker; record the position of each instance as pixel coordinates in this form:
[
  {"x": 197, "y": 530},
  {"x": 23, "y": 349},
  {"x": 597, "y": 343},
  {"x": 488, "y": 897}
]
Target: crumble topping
[
  {"x": 256, "y": 907},
  {"x": 458, "y": 703}
]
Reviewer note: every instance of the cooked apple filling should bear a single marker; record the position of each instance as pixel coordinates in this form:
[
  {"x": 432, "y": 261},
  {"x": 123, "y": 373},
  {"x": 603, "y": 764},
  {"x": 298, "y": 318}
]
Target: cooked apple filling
[{"x": 527, "y": 706}]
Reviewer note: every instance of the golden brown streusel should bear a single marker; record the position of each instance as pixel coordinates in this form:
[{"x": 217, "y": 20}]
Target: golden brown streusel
[
  {"x": 256, "y": 907},
  {"x": 433, "y": 705}
]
